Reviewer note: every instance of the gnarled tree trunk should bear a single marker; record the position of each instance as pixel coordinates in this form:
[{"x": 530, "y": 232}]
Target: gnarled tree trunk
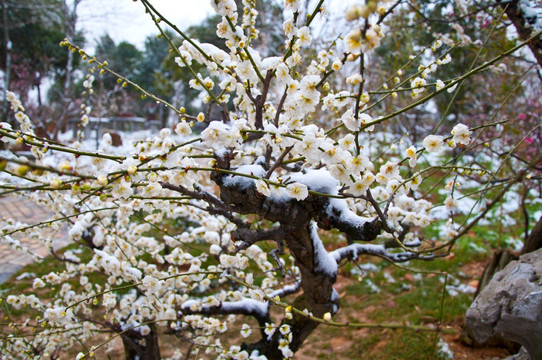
[
  {"x": 298, "y": 229},
  {"x": 139, "y": 347},
  {"x": 523, "y": 27}
]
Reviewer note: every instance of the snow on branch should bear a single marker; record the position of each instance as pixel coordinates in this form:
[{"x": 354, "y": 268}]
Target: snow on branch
[
  {"x": 323, "y": 204},
  {"x": 286, "y": 290},
  {"x": 353, "y": 251},
  {"x": 245, "y": 306},
  {"x": 323, "y": 261},
  {"x": 532, "y": 13}
]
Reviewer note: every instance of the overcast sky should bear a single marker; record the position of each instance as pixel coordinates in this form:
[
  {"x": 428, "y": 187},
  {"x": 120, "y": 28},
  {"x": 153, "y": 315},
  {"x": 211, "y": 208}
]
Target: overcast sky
[{"x": 125, "y": 20}]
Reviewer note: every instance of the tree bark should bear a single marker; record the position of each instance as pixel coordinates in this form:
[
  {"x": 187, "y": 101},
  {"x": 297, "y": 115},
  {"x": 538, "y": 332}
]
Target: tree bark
[
  {"x": 298, "y": 219},
  {"x": 317, "y": 297},
  {"x": 7, "y": 71},
  {"x": 523, "y": 27},
  {"x": 138, "y": 347},
  {"x": 534, "y": 240},
  {"x": 70, "y": 20}
]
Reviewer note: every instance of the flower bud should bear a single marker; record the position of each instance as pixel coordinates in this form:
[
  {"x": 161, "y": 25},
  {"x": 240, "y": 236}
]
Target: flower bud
[
  {"x": 102, "y": 180},
  {"x": 365, "y": 11},
  {"x": 76, "y": 189},
  {"x": 37, "y": 172},
  {"x": 22, "y": 170},
  {"x": 55, "y": 184},
  {"x": 353, "y": 13}
]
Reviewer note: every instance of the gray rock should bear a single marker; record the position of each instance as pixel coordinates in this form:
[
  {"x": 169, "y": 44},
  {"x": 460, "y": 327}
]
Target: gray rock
[
  {"x": 521, "y": 355},
  {"x": 510, "y": 306}
]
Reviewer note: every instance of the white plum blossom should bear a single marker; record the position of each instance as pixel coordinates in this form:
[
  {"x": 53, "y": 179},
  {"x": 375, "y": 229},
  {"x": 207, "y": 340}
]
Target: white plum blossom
[
  {"x": 245, "y": 330},
  {"x": 451, "y": 203},
  {"x": 228, "y": 261},
  {"x": 225, "y": 7},
  {"x": 461, "y": 134},
  {"x": 38, "y": 283},
  {"x": 285, "y": 329},
  {"x": 262, "y": 187},
  {"x": 417, "y": 84},
  {"x": 390, "y": 170},
  {"x": 122, "y": 189},
  {"x": 353, "y": 40},
  {"x": 433, "y": 143},
  {"x": 183, "y": 128},
  {"x": 354, "y": 79},
  {"x": 373, "y": 36},
  {"x": 218, "y": 135},
  {"x": 269, "y": 329},
  {"x": 411, "y": 154},
  {"x": 359, "y": 187},
  {"x": 304, "y": 36},
  {"x": 292, "y": 5},
  {"x": 297, "y": 191},
  {"x": 350, "y": 121},
  {"x": 439, "y": 85}
]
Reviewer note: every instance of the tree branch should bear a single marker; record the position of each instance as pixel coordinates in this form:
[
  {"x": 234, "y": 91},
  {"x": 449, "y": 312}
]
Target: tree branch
[{"x": 353, "y": 251}]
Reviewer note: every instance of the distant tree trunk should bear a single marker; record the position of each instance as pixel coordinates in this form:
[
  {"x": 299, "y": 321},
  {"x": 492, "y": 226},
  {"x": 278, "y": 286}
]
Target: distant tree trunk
[
  {"x": 534, "y": 241},
  {"x": 70, "y": 20},
  {"x": 523, "y": 27},
  {"x": 38, "y": 89},
  {"x": 7, "y": 71},
  {"x": 141, "y": 347}
]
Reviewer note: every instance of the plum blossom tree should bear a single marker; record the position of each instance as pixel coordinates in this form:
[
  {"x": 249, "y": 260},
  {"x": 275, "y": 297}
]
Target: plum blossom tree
[{"x": 187, "y": 233}]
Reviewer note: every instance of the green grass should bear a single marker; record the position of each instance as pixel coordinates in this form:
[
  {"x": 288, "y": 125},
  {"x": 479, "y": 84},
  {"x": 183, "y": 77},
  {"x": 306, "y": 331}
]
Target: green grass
[{"x": 414, "y": 299}]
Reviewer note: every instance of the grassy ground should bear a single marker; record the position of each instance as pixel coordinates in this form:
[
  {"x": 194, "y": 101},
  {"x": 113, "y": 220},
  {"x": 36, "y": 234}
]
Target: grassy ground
[{"x": 393, "y": 294}]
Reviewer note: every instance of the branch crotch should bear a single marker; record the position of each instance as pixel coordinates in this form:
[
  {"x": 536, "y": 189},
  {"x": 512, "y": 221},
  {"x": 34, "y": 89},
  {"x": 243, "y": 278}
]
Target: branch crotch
[{"x": 316, "y": 282}]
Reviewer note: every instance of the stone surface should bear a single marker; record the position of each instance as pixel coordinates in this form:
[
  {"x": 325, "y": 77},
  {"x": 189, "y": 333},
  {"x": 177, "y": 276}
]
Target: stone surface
[
  {"x": 521, "y": 355},
  {"x": 24, "y": 210},
  {"x": 510, "y": 306}
]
